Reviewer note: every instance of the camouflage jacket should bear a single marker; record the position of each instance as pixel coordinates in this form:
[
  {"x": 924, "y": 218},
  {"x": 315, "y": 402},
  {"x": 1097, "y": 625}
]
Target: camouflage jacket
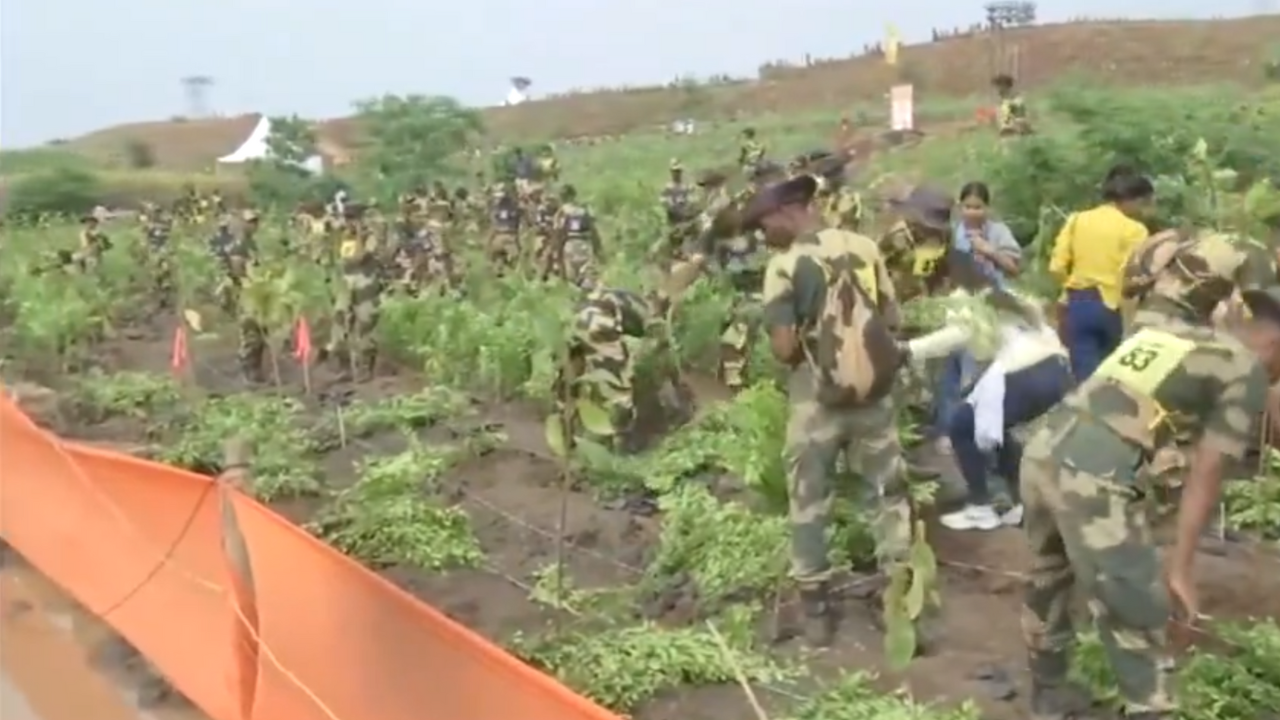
[
  {"x": 1164, "y": 387},
  {"x": 917, "y": 269},
  {"x": 842, "y": 208},
  {"x": 677, "y": 201},
  {"x": 741, "y": 256},
  {"x": 751, "y": 153},
  {"x": 505, "y": 215},
  {"x": 235, "y": 252},
  {"x": 795, "y": 284},
  {"x": 578, "y": 225},
  {"x": 362, "y": 273},
  {"x": 609, "y": 314}
]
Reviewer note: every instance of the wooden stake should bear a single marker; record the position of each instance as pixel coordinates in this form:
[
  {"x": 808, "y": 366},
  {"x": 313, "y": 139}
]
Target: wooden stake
[
  {"x": 738, "y": 674},
  {"x": 245, "y": 638},
  {"x": 567, "y": 428}
]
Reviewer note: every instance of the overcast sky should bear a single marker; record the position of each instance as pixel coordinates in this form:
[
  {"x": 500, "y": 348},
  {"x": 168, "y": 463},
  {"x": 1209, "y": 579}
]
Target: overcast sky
[{"x": 71, "y": 66}]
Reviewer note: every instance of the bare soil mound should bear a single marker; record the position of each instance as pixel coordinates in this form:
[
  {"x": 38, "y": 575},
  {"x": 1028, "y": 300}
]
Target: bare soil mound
[{"x": 1120, "y": 53}]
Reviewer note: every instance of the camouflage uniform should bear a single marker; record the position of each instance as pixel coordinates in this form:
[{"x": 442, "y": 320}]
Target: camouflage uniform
[
  {"x": 603, "y": 323},
  {"x": 93, "y": 245},
  {"x": 1086, "y": 483},
  {"x": 505, "y": 219},
  {"x": 353, "y": 343},
  {"x": 421, "y": 258},
  {"x": 841, "y": 206},
  {"x": 677, "y": 203},
  {"x": 157, "y": 228},
  {"x": 751, "y": 153},
  {"x": 1181, "y": 278},
  {"x": 577, "y": 243},
  {"x": 817, "y": 434},
  {"x": 918, "y": 267},
  {"x": 237, "y": 252},
  {"x": 543, "y": 218}
]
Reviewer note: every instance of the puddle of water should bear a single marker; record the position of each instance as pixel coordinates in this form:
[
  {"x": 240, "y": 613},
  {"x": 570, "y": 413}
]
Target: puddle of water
[{"x": 45, "y": 667}]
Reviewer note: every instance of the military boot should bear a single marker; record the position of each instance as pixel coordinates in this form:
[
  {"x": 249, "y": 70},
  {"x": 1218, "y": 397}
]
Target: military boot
[{"x": 819, "y": 614}]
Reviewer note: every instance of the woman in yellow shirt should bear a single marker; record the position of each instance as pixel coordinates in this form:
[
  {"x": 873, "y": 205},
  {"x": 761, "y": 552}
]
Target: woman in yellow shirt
[{"x": 1088, "y": 260}]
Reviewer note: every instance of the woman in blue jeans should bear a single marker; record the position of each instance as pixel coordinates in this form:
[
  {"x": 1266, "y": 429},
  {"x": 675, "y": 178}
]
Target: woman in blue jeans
[
  {"x": 1028, "y": 375},
  {"x": 1029, "y": 392},
  {"x": 997, "y": 254}
]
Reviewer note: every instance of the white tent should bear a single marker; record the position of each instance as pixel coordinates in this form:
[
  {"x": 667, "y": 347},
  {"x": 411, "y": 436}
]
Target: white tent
[
  {"x": 255, "y": 147},
  {"x": 515, "y": 97}
]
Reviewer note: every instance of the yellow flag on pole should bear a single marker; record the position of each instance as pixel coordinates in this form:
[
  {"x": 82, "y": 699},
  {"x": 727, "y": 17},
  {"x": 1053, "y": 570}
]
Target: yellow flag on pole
[{"x": 891, "y": 44}]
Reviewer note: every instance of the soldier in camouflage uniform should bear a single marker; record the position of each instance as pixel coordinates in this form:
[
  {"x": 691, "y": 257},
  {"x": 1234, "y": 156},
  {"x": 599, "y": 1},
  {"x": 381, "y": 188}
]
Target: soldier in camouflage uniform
[
  {"x": 359, "y": 296},
  {"x": 677, "y": 203},
  {"x": 576, "y": 247},
  {"x": 543, "y": 216},
  {"x": 915, "y": 246},
  {"x": 1012, "y": 119},
  {"x": 818, "y": 432},
  {"x": 606, "y": 325},
  {"x": 422, "y": 259},
  {"x": 1181, "y": 277},
  {"x": 237, "y": 252},
  {"x": 468, "y": 210},
  {"x": 505, "y": 220},
  {"x": 742, "y": 258},
  {"x": 1086, "y": 478},
  {"x": 93, "y": 243},
  {"x": 751, "y": 152},
  {"x": 841, "y": 205},
  {"x": 157, "y": 226}
]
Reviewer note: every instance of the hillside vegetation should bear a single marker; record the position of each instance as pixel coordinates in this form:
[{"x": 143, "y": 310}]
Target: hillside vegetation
[{"x": 1120, "y": 53}]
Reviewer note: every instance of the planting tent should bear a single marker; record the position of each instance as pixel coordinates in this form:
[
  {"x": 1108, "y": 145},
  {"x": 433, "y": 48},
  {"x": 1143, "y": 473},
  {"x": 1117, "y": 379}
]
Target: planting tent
[{"x": 255, "y": 147}]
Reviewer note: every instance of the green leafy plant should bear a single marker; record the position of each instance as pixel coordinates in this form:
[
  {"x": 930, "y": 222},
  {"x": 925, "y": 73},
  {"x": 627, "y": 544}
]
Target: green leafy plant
[{"x": 390, "y": 517}]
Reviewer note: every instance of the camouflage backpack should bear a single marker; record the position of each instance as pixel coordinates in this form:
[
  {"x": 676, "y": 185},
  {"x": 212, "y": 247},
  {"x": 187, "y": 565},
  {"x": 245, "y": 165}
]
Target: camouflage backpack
[{"x": 852, "y": 351}]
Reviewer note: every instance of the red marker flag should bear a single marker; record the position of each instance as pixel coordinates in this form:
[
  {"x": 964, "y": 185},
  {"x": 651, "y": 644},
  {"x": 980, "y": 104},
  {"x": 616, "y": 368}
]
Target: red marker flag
[
  {"x": 302, "y": 341},
  {"x": 179, "y": 356}
]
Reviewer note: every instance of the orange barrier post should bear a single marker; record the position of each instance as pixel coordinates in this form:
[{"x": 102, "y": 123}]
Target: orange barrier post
[{"x": 140, "y": 545}]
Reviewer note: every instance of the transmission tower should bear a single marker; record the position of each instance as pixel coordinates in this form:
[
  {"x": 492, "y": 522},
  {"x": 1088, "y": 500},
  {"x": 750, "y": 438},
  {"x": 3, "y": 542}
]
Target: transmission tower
[
  {"x": 1002, "y": 15},
  {"x": 196, "y": 89}
]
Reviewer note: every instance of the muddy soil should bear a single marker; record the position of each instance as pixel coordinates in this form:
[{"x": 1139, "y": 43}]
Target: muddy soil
[{"x": 515, "y": 499}]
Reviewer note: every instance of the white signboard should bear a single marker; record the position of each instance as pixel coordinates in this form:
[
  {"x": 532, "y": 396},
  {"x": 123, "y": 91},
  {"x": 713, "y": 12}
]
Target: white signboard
[{"x": 902, "y": 113}]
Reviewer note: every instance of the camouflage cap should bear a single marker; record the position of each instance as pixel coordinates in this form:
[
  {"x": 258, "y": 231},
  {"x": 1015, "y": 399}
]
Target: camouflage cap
[
  {"x": 1263, "y": 303},
  {"x": 925, "y": 205},
  {"x": 1198, "y": 270},
  {"x": 773, "y": 197}
]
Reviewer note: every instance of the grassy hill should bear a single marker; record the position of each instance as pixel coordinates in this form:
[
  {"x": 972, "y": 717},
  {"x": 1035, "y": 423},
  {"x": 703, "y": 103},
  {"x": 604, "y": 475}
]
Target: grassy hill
[{"x": 1139, "y": 53}]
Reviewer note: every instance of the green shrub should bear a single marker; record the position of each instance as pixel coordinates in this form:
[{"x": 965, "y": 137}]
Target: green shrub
[{"x": 66, "y": 191}]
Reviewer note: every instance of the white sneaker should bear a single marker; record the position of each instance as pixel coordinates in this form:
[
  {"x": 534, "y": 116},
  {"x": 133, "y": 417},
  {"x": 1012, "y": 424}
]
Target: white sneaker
[
  {"x": 1013, "y": 516},
  {"x": 972, "y": 517}
]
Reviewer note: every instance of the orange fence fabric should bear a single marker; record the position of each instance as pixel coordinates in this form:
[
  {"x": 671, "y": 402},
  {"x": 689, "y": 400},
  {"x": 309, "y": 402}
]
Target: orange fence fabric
[{"x": 140, "y": 545}]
